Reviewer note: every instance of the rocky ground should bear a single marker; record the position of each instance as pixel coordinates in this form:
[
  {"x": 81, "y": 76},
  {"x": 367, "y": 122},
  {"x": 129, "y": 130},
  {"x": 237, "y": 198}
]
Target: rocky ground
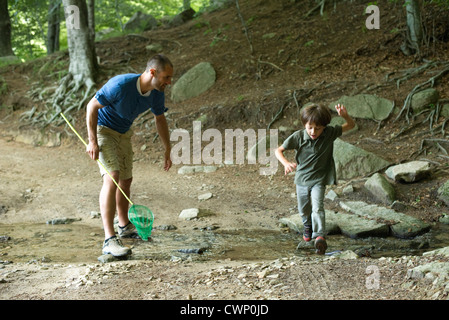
[
  {"x": 46, "y": 262},
  {"x": 35, "y": 265}
]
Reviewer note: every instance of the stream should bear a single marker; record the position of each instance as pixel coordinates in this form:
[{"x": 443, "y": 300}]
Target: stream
[{"x": 78, "y": 243}]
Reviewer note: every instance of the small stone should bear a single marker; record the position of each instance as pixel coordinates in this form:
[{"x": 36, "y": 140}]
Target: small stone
[
  {"x": 188, "y": 214},
  {"x": 205, "y": 196}
]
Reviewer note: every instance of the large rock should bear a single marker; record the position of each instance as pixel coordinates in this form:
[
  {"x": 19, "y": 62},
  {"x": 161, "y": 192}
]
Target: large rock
[
  {"x": 354, "y": 226},
  {"x": 409, "y": 172},
  {"x": 380, "y": 188},
  {"x": 194, "y": 82},
  {"x": 350, "y": 225},
  {"x": 443, "y": 193},
  {"x": 445, "y": 111},
  {"x": 182, "y": 17},
  {"x": 401, "y": 225},
  {"x": 294, "y": 222},
  {"x": 351, "y": 161},
  {"x": 365, "y": 106},
  {"x": 364, "y": 220},
  {"x": 140, "y": 21},
  {"x": 423, "y": 99}
]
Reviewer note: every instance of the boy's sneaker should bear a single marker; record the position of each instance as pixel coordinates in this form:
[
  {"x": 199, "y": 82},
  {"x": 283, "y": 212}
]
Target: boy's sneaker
[
  {"x": 115, "y": 247},
  {"x": 307, "y": 236},
  {"x": 320, "y": 245},
  {"x": 128, "y": 231}
]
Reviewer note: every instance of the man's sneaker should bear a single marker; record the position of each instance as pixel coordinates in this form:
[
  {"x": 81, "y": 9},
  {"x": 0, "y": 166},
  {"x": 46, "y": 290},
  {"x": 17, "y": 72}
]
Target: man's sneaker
[
  {"x": 128, "y": 231},
  {"x": 320, "y": 245},
  {"x": 115, "y": 247},
  {"x": 307, "y": 236}
]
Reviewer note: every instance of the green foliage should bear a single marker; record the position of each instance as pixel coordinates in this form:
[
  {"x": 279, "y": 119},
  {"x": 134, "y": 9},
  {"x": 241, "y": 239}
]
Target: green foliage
[
  {"x": 29, "y": 20},
  {"x": 218, "y": 36},
  {"x": 29, "y": 27}
]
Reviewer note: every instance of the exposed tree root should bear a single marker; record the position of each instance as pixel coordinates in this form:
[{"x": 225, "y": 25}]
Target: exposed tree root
[
  {"x": 427, "y": 144},
  {"x": 71, "y": 94},
  {"x": 406, "y": 107}
]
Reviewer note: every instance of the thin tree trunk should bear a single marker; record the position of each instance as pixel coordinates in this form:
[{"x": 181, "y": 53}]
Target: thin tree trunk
[
  {"x": 414, "y": 24},
  {"x": 53, "y": 26},
  {"x": 91, "y": 18},
  {"x": 5, "y": 30}
]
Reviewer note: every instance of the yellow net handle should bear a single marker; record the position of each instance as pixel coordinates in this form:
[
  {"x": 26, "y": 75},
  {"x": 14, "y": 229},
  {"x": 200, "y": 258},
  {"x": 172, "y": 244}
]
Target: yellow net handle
[{"x": 98, "y": 160}]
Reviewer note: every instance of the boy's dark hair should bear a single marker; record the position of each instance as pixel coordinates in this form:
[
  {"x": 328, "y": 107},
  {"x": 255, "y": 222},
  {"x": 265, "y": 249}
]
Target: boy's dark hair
[
  {"x": 316, "y": 114},
  {"x": 158, "y": 62}
]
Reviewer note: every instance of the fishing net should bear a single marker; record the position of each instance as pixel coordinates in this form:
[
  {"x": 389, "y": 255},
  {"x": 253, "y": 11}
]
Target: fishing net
[{"x": 142, "y": 218}]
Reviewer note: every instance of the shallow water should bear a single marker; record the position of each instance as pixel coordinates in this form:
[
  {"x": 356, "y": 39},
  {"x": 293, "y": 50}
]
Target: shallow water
[{"x": 77, "y": 243}]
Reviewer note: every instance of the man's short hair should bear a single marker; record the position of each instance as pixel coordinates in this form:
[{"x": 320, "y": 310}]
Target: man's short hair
[
  {"x": 158, "y": 62},
  {"x": 316, "y": 114}
]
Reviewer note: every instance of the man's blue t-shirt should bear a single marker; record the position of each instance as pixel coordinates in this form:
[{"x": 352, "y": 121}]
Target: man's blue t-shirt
[{"x": 123, "y": 102}]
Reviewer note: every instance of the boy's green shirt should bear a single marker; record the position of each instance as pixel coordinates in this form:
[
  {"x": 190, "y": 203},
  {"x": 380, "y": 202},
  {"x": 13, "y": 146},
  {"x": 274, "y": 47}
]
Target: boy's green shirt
[{"x": 314, "y": 157}]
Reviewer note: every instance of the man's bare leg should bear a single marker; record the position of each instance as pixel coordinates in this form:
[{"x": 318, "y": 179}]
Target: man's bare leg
[
  {"x": 112, "y": 244},
  {"x": 108, "y": 204},
  {"x": 122, "y": 202}
]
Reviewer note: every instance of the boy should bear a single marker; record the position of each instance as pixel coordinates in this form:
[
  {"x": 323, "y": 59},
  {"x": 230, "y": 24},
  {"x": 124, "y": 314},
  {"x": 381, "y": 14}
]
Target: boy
[{"x": 315, "y": 167}]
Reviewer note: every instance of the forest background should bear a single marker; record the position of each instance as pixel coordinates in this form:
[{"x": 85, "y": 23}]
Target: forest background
[{"x": 33, "y": 22}]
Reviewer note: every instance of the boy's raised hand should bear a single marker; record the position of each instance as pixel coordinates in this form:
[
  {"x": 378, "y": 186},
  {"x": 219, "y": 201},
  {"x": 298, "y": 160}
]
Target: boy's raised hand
[{"x": 341, "y": 110}]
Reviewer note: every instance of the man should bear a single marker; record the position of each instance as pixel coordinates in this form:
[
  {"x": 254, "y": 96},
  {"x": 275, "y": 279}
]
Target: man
[{"x": 109, "y": 117}]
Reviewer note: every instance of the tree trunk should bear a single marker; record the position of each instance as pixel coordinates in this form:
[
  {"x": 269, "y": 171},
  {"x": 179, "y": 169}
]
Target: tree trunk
[
  {"x": 5, "y": 30},
  {"x": 91, "y": 19},
  {"x": 83, "y": 66},
  {"x": 83, "y": 61},
  {"x": 53, "y": 26},
  {"x": 414, "y": 24}
]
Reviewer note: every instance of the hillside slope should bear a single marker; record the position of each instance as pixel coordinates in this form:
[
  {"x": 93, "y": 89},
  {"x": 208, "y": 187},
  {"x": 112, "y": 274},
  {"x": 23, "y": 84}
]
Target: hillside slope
[{"x": 295, "y": 60}]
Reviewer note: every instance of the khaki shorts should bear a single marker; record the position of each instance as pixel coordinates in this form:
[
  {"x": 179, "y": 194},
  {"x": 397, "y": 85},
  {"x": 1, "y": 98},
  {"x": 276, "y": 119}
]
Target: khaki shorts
[{"x": 116, "y": 152}]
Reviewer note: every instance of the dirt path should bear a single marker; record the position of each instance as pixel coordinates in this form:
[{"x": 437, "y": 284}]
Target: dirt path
[{"x": 38, "y": 184}]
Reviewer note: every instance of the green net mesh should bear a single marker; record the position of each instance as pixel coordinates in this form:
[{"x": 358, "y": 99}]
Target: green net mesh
[{"x": 142, "y": 218}]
